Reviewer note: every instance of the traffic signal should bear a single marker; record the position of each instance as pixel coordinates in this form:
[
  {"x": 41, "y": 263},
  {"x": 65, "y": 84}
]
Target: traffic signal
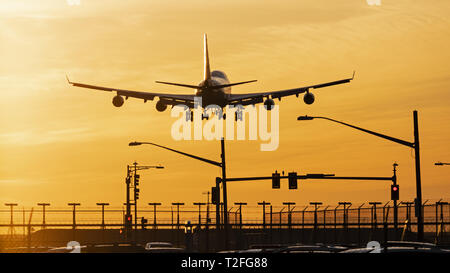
[
  {"x": 136, "y": 193},
  {"x": 215, "y": 198},
  {"x": 275, "y": 180},
  {"x": 136, "y": 179},
  {"x": 395, "y": 192},
  {"x": 128, "y": 221},
  {"x": 292, "y": 177}
]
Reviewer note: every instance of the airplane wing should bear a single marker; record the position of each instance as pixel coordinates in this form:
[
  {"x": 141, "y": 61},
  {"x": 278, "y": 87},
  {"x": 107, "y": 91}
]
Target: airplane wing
[
  {"x": 169, "y": 99},
  {"x": 254, "y": 98}
]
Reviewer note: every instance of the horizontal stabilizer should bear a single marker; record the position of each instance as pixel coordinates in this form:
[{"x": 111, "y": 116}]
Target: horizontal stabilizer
[{"x": 180, "y": 84}]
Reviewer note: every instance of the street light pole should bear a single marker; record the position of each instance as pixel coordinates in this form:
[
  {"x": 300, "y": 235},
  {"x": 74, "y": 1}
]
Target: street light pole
[
  {"x": 11, "y": 207},
  {"x": 240, "y": 204},
  {"x": 415, "y": 145},
  {"x": 103, "y": 213},
  {"x": 212, "y": 162},
  {"x": 154, "y": 212},
  {"x": 43, "y": 212},
  {"x": 199, "y": 204},
  {"x": 73, "y": 213}
]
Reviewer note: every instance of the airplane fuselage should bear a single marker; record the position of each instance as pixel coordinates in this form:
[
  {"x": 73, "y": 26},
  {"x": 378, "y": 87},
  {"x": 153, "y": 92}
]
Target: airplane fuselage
[{"x": 218, "y": 96}]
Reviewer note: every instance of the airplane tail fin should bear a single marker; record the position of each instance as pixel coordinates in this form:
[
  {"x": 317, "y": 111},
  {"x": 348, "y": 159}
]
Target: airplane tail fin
[{"x": 206, "y": 67}]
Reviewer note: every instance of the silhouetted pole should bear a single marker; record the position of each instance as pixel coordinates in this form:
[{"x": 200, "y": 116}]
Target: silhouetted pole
[
  {"x": 316, "y": 205},
  {"x": 374, "y": 213},
  {"x": 207, "y": 208},
  {"x": 394, "y": 180},
  {"x": 335, "y": 223},
  {"x": 325, "y": 224},
  {"x": 178, "y": 212},
  {"x": 154, "y": 213},
  {"x": 415, "y": 145},
  {"x": 43, "y": 212},
  {"x": 103, "y": 212},
  {"x": 199, "y": 204},
  {"x": 359, "y": 223},
  {"x": 73, "y": 213},
  {"x": 303, "y": 224},
  {"x": 289, "y": 204},
  {"x": 264, "y": 204},
  {"x": 240, "y": 204},
  {"x": 224, "y": 191},
  {"x": 441, "y": 222},
  {"x": 345, "y": 211},
  {"x": 212, "y": 162},
  {"x": 11, "y": 223}
]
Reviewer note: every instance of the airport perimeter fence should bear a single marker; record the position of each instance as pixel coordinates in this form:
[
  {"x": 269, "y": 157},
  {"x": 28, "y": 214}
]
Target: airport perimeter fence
[{"x": 354, "y": 225}]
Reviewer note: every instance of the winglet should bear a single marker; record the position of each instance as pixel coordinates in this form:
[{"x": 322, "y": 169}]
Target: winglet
[
  {"x": 68, "y": 79},
  {"x": 354, "y": 71}
]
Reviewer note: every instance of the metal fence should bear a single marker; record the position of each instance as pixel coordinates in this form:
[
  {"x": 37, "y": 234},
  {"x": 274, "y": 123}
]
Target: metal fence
[{"x": 355, "y": 224}]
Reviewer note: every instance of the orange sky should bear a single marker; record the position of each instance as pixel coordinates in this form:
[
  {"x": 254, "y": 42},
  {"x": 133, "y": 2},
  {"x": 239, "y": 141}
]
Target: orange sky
[{"x": 61, "y": 144}]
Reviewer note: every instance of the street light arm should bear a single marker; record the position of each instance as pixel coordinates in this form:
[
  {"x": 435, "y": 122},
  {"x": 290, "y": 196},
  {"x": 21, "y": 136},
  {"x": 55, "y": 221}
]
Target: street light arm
[
  {"x": 406, "y": 143},
  {"x": 185, "y": 154}
]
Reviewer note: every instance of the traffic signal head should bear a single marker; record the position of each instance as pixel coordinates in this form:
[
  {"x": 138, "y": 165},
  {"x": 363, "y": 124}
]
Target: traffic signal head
[
  {"x": 395, "y": 192},
  {"x": 275, "y": 180},
  {"x": 215, "y": 195},
  {"x": 136, "y": 179},
  {"x": 292, "y": 180},
  {"x": 136, "y": 193}
]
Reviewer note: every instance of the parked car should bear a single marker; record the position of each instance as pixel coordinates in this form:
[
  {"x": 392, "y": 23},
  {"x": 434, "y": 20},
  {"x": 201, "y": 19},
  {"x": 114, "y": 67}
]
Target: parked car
[
  {"x": 162, "y": 247},
  {"x": 310, "y": 249},
  {"x": 401, "y": 247}
]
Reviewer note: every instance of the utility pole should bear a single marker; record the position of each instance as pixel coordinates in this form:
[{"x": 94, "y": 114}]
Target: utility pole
[
  {"x": 154, "y": 213},
  {"x": 43, "y": 212},
  {"x": 103, "y": 213},
  {"x": 11, "y": 223}
]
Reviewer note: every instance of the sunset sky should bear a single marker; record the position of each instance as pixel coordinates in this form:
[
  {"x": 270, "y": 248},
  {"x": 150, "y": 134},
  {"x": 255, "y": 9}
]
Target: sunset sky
[{"x": 62, "y": 144}]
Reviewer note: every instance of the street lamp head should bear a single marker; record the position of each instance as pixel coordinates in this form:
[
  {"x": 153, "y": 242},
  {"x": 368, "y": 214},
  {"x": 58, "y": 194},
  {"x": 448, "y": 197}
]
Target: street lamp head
[
  {"x": 438, "y": 163},
  {"x": 304, "y": 118},
  {"x": 134, "y": 143},
  {"x": 160, "y": 167}
]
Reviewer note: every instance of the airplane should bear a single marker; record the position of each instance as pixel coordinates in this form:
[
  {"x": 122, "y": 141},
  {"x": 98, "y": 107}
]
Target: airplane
[{"x": 215, "y": 88}]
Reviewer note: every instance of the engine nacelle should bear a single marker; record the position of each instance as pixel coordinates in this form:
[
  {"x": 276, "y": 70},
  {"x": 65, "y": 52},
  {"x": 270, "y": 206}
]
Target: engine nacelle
[
  {"x": 269, "y": 104},
  {"x": 161, "y": 106},
  {"x": 118, "y": 101},
  {"x": 308, "y": 98}
]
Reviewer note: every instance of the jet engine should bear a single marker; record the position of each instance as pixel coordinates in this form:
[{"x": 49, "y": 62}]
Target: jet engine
[
  {"x": 161, "y": 106},
  {"x": 117, "y": 101},
  {"x": 308, "y": 98},
  {"x": 268, "y": 104}
]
